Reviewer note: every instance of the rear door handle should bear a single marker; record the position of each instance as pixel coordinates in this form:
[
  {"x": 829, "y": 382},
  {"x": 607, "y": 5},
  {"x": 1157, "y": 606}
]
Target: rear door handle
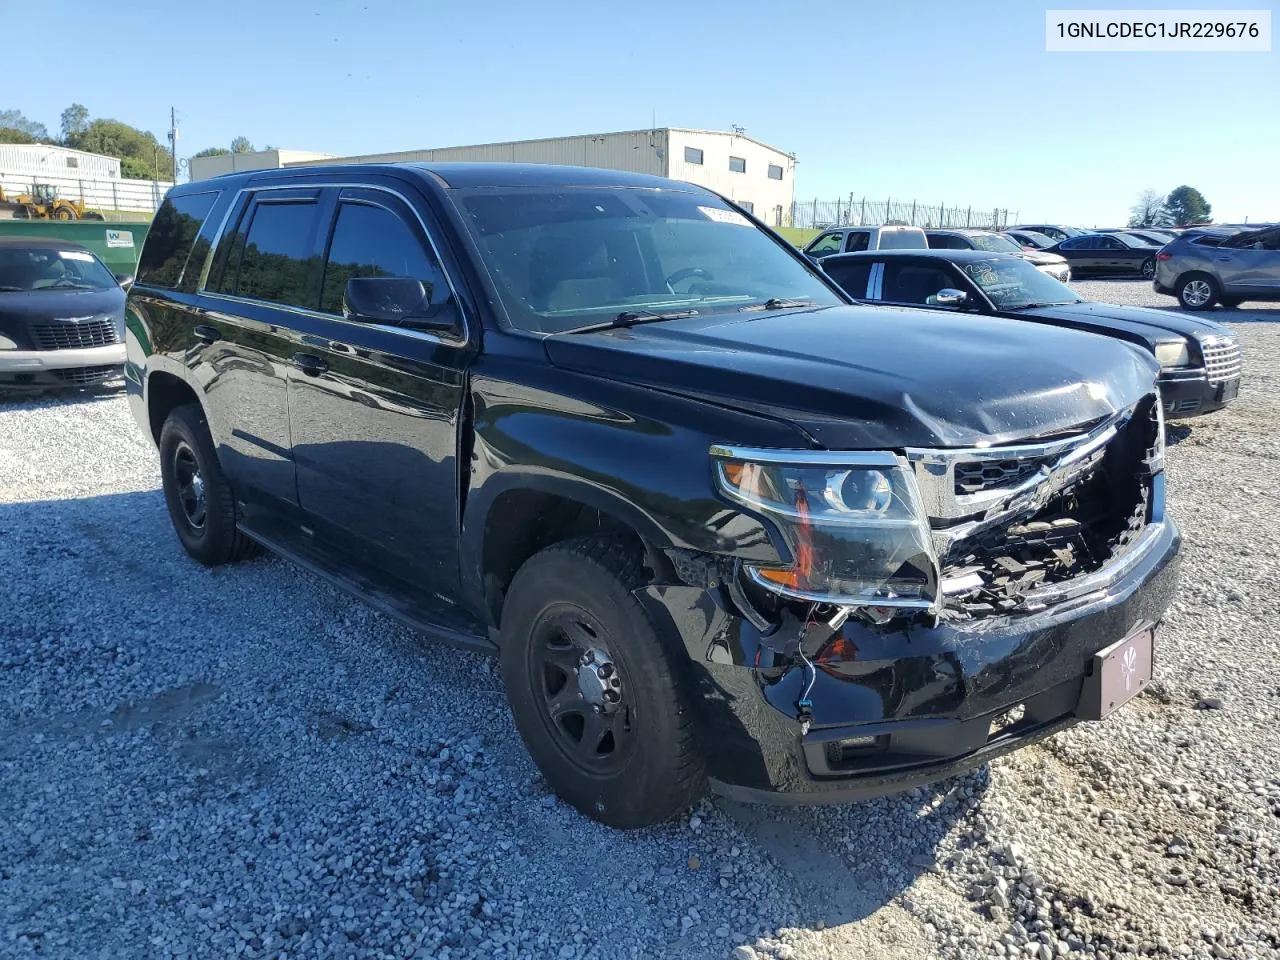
[
  {"x": 206, "y": 333},
  {"x": 310, "y": 364}
]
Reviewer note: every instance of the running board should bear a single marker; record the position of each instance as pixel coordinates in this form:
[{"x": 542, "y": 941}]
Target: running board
[{"x": 399, "y": 605}]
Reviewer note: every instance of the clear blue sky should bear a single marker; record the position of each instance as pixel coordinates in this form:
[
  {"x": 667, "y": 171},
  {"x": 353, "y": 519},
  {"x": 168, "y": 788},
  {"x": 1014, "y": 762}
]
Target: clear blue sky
[{"x": 940, "y": 101}]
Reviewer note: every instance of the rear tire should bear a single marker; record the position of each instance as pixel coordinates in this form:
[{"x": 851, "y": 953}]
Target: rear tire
[
  {"x": 1148, "y": 268},
  {"x": 1231, "y": 303},
  {"x": 201, "y": 504},
  {"x": 1196, "y": 291},
  {"x": 571, "y": 602}
]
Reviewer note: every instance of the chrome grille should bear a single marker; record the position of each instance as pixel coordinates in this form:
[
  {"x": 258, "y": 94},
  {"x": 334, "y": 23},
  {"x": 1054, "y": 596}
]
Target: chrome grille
[
  {"x": 67, "y": 335},
  {"x": 1222, "y": 358},
  {"x": 83, "y": 376},
  {"x": 976, "y": 475}
]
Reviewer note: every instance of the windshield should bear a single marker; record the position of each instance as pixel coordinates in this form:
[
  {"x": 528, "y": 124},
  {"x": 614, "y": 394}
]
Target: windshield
[
  {"x": 563, "y": 258},
  {"x": 994, "y": 243},
  {"x": 1013, "y": 284},
  {"x": 51, "y": 268}
]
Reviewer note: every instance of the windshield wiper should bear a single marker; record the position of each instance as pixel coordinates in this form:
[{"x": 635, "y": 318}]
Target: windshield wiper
[
  {"x": 629, "y": 318},
  {"x": 780, "y": 303}
]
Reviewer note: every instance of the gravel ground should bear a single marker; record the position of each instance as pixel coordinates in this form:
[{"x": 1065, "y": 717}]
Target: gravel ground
[{"x": 244, "y": 762}]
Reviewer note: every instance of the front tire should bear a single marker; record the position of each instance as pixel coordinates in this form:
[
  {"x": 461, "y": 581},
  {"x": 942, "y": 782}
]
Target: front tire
[
  {"x": 1197, "y": 291},
  {"x": 597, "y": 693},
  {"x": 201, "y": 503}
]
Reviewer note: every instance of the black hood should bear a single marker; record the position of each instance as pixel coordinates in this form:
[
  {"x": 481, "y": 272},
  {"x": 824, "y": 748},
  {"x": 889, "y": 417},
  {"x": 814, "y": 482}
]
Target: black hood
[
  {"x": 877, "y": 377},
  {"x": 55, "y": 304},
  {"x": 1141, "y": 323}
]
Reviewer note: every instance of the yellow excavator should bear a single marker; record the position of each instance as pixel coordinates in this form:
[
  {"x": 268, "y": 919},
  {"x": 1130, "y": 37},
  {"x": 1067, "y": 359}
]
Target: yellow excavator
[{"x": 43, "y": 203}]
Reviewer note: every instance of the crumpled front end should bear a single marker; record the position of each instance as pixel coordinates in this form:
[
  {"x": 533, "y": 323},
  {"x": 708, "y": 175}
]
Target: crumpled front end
[{"x": 1047, "y": 553}]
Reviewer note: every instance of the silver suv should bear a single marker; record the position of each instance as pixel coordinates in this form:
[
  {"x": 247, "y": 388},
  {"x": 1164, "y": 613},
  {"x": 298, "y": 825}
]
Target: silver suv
[
  {"x": 858, "y": 239},
  {"x": 1204, "y": 268}
]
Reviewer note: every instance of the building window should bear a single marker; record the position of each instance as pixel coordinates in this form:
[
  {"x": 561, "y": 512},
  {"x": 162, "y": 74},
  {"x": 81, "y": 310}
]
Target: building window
[
  {"x": 775, "y": 172},
  {"x": 747, "y": 205},
  {"x": 73, "y": 161},
  {"x": 693, "y": 155},
  {"x": 737, "y": 165}
]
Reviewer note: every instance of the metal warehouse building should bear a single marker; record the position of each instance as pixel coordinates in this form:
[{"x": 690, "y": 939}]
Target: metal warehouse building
[
  {"x": 27, "y": 160},
  {"x": 754, "y": 174}
]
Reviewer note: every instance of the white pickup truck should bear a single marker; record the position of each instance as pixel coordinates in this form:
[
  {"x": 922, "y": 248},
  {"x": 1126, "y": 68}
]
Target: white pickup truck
[{"x": 857, "y": 239}]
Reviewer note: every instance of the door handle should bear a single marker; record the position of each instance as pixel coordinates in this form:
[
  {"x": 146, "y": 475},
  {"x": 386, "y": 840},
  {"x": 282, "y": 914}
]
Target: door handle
[
  {"x": 1226, "y": 259},
  {"x": 207, "y": 334},
  {"x": 310, "y": 364}
]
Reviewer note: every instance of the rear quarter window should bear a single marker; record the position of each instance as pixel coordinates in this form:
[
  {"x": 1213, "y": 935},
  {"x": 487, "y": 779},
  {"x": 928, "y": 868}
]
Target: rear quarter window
[{"x": 173, "y": 232}]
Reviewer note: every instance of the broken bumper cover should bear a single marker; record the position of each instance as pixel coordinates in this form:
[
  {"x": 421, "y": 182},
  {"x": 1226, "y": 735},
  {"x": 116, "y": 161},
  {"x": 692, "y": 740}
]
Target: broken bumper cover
[
  {"x": 903, "y": 704},
  {"x": 1189, "y": 393}
]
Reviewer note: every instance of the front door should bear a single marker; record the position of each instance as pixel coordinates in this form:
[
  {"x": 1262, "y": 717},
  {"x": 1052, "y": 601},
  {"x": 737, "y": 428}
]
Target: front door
[{"x": 374, "y": 409}]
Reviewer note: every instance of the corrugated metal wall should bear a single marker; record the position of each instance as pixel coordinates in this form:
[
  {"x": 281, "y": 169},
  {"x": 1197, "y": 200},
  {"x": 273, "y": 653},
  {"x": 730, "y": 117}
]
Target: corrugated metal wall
[
  {"x": 39, "y": 159},
  {"x": 770, "y": 199},
  {"x": 638, "y": 151}
]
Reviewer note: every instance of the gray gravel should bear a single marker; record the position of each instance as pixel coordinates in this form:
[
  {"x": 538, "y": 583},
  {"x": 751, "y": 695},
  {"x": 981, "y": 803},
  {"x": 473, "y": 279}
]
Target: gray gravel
[{"x": 244, "y": 762}]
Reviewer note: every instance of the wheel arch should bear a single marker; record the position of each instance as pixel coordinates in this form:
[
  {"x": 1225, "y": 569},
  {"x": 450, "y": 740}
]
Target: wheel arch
[{"x": 166, "y": 391}]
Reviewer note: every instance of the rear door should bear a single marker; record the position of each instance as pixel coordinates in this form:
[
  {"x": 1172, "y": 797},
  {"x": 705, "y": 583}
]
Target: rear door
[
  {"x": 265, "y": 274},
  {"x": 1249, "y": 264},
  {"x": 375, "y": 409}
]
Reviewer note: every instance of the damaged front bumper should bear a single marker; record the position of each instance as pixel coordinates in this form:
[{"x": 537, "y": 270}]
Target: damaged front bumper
[
  {"x": 1049, "y": 554},
  {"x": 907, "y": 702}
]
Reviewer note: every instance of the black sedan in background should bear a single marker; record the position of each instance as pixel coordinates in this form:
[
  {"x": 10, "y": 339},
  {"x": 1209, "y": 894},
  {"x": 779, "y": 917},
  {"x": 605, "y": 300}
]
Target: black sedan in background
[
  {"x": 1200, "y": 360},
  {"x": 1107, "y": 254}
]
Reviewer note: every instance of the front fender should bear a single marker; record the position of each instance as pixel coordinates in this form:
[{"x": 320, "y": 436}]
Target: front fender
[{"x": 584, "y": 439}]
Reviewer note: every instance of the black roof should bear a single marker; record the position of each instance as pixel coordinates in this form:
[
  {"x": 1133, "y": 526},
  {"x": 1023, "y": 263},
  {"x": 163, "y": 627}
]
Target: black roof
[
  {"x": 955, "y": 256},
  {"x": 41, "y": 243},
  {"x": 966, "y": 231},
  {"x": 461, "y": 175}
]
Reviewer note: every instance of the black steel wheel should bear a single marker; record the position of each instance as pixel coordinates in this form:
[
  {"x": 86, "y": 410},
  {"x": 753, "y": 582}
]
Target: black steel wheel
[
  {"x": 597, "y": 691},
  {"x": 584, "y": 699},
  {"x": 200, "y": 500}
]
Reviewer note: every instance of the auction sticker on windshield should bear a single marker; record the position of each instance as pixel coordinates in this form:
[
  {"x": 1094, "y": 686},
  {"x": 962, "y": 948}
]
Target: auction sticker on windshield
[
  {"x": 76, "y": 255},
  {"x": 724, "y": 216}
]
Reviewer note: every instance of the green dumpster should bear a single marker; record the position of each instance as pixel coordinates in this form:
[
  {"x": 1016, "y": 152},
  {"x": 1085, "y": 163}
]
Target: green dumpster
[{"x": 117, "y": 244}]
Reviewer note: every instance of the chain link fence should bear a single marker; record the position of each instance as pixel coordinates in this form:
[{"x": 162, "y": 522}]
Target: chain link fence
[{"x": 851, "y": 211}]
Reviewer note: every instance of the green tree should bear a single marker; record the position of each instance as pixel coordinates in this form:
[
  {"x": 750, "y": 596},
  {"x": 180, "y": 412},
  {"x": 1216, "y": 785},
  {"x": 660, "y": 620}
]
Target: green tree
[
  {"x": 1187, "y": 205},
  {"x": 241, "y": 145},
  {"x": 14, "y": 135},
  {"x": 141, "y": 156},
  {"x": 14, "y": 120},
  {"x": 75, "y": 121},
  {"x": 1149, "y": 211},
  {"x": 211, "y": 152}
]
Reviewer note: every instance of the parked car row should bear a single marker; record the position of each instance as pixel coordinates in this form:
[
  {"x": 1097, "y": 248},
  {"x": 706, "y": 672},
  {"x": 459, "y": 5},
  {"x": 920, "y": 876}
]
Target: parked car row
[{"x": 723, "y": 524}]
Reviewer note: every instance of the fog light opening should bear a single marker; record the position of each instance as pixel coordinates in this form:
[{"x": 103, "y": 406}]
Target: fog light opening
[{"x": 1010, "y": 717}]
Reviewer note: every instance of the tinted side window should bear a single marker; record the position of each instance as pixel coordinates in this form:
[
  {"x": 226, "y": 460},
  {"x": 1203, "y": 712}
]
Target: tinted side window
[
  {"x": 1107, "y": 243},
  {"x": 1077, "y": 244},
  {"x": 850, "y": 277},
  {"x": 371, "y": 241},
  {"x": 857, "y": 242},
  {"x": 274, "y": 264},
  {"x": 169, "y": 241},
  {"x": 913, "y": 283},
  {"x": 827, "y": 243}
]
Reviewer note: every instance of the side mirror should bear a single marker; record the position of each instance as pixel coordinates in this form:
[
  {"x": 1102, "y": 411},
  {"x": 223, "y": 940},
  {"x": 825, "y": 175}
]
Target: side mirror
[
  {"x": 950, "y": 297},
  {"x": 125, "y": 280},
  {"x": 396, "y": 301}
]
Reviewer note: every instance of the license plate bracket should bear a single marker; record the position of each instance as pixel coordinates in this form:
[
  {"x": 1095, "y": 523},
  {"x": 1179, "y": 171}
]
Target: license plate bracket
[{"x": 1119, "y": 673}]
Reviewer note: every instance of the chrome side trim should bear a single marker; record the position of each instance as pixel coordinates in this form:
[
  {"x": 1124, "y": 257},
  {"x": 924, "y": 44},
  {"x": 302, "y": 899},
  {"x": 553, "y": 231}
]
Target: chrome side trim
[
  {"x": 835, "y": 458},
  {"x": 435, "y": 250},
  {"x": 1104, "y": 577}
]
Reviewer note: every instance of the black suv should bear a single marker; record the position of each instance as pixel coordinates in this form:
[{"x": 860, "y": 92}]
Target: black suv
[{"x": 720, "y": 524}]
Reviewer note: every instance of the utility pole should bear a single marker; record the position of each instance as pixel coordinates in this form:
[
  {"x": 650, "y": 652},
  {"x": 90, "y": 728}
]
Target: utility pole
[{"x": 173, "y": 141}]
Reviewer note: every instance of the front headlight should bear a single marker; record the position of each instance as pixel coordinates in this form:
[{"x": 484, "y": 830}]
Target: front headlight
[
  {"x": 7, "y": 344},
  {"x": 852, "y": 523},
  {"x": 1174, "y": 353}
]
